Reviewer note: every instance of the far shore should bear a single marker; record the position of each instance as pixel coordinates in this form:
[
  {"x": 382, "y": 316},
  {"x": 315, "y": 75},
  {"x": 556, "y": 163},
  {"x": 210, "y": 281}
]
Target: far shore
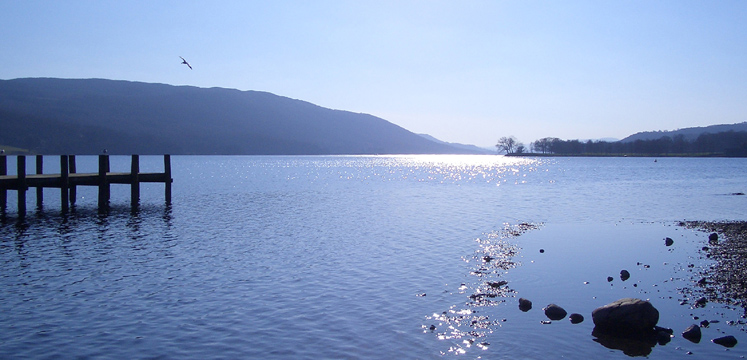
[{"x": 704, "y": 155}]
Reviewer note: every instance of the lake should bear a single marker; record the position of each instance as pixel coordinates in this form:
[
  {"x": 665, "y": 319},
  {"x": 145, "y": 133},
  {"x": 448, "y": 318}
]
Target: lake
[{"x": 365, "y": 257}]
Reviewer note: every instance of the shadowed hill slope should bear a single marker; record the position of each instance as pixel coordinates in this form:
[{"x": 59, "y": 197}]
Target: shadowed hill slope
[{"x": 84, "y": 116}]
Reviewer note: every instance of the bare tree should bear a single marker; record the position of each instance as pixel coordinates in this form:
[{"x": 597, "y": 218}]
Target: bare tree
[
  {"x": 507, "y": 144},
  {"x": 543, "y": 145}
]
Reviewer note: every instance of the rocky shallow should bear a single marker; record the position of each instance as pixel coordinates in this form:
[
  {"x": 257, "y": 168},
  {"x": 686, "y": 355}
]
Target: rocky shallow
[
  {"x": 725, "y": 281},
  {"x": 719, "y": 277}
]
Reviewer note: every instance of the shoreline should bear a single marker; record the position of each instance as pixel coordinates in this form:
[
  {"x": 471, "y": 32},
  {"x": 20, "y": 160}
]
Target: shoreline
[
  {"x": 726, "y": 280},
  {"x": 627, "y": 155}
]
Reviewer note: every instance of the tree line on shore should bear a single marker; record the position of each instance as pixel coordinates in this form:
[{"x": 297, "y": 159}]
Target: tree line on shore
[{"x": 729, "y": 143}]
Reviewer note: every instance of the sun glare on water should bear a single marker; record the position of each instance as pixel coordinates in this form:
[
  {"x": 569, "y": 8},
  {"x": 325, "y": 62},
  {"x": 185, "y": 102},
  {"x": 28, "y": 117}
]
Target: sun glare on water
[{"x": 461, "y": 168}]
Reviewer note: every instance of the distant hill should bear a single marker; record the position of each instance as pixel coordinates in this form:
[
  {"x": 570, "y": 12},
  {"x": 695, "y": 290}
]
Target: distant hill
[
  {"x": 466, "y": 147},
  {"x": 85, "y": 116},
  {"x": 689, "y": 134}
]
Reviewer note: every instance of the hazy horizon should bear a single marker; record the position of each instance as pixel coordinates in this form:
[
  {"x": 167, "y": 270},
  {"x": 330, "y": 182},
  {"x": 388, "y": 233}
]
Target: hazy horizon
[{"x": 461, "y": 72}]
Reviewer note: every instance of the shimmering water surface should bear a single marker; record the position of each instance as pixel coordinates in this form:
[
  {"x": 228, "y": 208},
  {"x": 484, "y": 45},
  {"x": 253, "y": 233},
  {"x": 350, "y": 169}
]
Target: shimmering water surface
[{"x": 363, "y": 257}]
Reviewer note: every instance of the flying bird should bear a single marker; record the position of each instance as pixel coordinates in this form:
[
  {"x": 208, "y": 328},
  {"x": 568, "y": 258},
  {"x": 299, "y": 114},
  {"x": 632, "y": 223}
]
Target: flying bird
[{"x": 186, "y": 63}]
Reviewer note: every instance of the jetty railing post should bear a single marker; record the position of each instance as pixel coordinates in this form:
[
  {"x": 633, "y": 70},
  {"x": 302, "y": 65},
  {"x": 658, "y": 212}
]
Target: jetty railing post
[
  {"x": 103, "y": 182},
  {"x": 21, "y": 168},
  {"x": 39, "y": 189},
  {"x": 135, "y": 182},
  {"x": 71, "y": 170},
  {"x": 167, "y": 181},
  {"x": 3, "y": 192},
  {"x": 64, "y": 182}
]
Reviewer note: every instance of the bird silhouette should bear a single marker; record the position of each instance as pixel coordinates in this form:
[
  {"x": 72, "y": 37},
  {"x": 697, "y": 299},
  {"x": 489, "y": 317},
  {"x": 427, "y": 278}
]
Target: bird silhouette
[{"x": 186, "y": 63}]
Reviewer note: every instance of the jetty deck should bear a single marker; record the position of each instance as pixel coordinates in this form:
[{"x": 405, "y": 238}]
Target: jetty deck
[{"x": 68, "y": 180}]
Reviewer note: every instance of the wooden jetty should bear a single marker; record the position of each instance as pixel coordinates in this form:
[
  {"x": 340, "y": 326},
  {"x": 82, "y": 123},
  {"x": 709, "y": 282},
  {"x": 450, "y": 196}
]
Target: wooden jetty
[{"x": 68, "y": 179}]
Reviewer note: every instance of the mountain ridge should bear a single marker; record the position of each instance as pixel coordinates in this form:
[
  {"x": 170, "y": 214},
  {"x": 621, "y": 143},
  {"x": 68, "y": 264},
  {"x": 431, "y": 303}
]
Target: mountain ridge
[
  {"x": 468, "y": 147},
  {"x": 51, "y": 115},
  {"x": 689, "y": 134}
]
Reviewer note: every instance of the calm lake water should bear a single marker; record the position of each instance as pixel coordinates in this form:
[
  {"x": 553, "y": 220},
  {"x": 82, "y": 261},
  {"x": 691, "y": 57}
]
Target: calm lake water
[{"x": 364, "y": 257}]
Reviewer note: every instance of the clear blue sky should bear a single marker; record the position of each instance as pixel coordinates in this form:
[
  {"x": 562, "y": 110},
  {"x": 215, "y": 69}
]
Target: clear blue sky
[{"x": 462, "y": 71}]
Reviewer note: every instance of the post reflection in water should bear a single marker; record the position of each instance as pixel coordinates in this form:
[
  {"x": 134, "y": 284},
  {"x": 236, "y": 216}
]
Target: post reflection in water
[{"x": 82, "y": 219}]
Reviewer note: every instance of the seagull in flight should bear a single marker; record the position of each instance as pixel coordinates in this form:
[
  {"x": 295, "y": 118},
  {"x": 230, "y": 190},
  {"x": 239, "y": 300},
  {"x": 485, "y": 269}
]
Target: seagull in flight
[{"x": 186, "y": 63}]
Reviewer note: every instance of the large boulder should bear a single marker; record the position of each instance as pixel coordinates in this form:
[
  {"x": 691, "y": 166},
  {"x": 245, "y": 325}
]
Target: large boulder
[{"x": 626, "y": 317}]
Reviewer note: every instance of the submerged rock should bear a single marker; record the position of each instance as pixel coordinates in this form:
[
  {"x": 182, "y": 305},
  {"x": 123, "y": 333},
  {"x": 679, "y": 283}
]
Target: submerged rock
[
  {"x": 728, "y": 341},
  {"x": 692, "y": 333},
  {"x": 555, "y": 312},
  {"x": 497, "y": 284},
  {"x": 525, "y": 305},
  {"x": 626, "y": 316}
]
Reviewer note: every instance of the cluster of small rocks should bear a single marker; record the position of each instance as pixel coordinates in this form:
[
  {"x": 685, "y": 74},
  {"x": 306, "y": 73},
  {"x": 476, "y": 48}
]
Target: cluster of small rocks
[
  {"x": 726, "y": 281},
  {"x": 552, "y": 311},
  {"x": 629, "y": 325}
]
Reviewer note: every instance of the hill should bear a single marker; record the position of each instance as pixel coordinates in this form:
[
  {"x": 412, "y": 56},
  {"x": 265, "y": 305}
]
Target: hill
[
  {"x": 470, "y": 148},
  {"x": 689, "y": 134},
  {"x": 84, "y": 116}
]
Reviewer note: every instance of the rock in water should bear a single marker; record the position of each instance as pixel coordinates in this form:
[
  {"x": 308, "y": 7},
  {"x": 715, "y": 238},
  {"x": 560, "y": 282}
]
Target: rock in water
[
  {"x": 668, "y": 241},
  {"x": 525, "y": 305},
  {"x": 497, "y": 284},
  {"x": 624, "y": 275},
  {"x": 626, "y": 316},
  {"x": 663, "y": 335},
  {"x": 576, "y": 318},
  {"x": 692, "y": 333},
  {"x": 728, "y": 341},
  {"x": 554, "y": 312},
  {"x": 713, "y": 239}
]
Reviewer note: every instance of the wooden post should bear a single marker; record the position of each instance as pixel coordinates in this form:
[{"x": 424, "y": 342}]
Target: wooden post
[
  {"x": 71, "y": 169},
  {"x": 39, "y": 189},
  {"x": 103, "y": 182},
  {"x": 21, "y": 166},
  {"x": 167, "y": 183},
  {"x": 3, "y": 192},
  {"x": 64, "y": 182},
  {"x": 135, "y": 182}
]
